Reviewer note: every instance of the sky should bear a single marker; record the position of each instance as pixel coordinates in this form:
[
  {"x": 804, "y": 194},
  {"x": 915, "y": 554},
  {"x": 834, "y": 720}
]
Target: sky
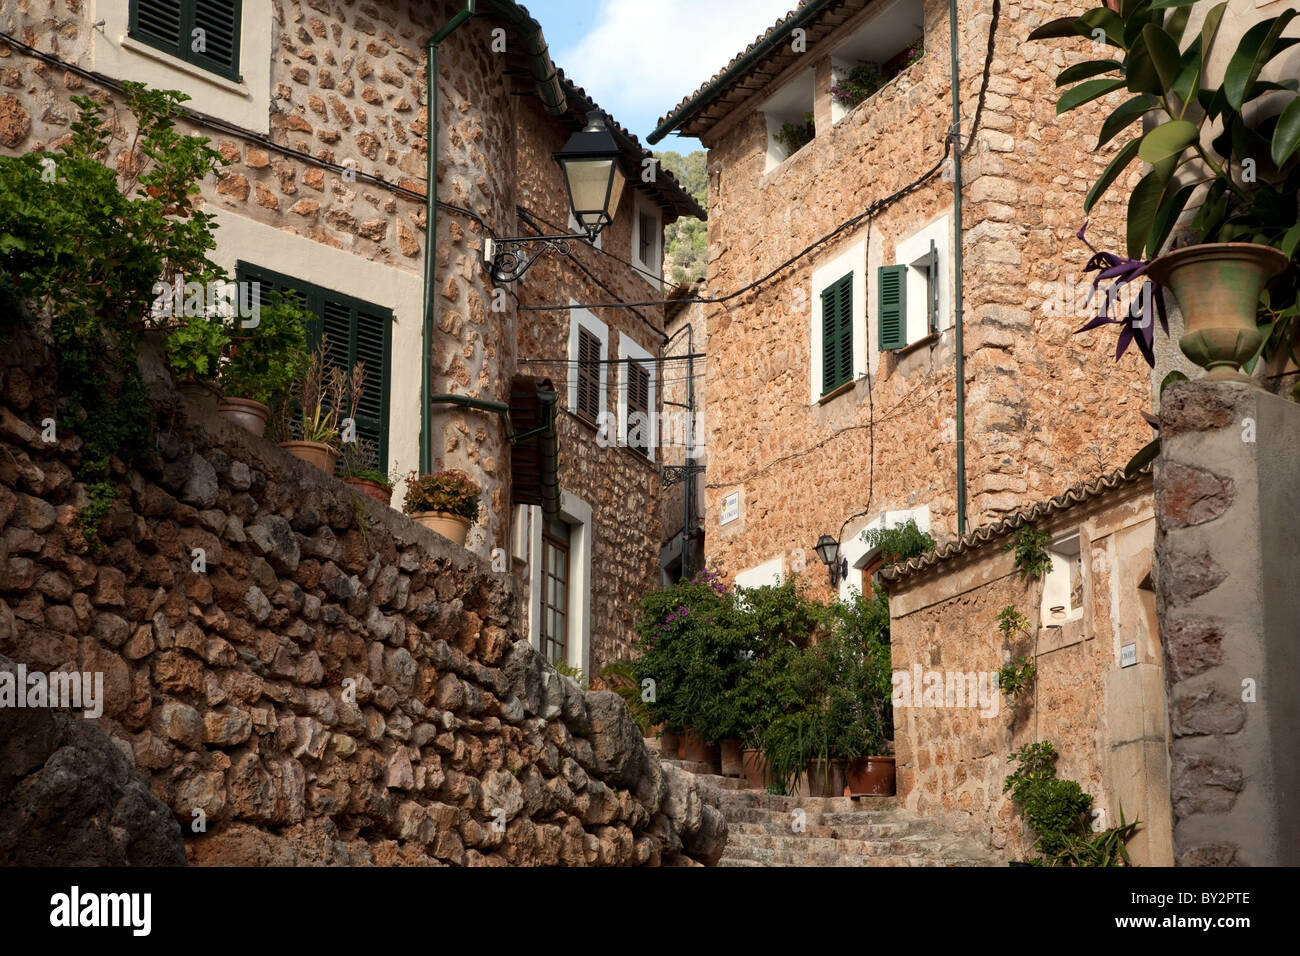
[{"x": 639, "y": 58}]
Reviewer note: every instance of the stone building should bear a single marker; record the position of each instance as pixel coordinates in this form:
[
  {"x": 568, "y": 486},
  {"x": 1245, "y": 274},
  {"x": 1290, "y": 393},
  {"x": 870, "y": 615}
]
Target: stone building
[
  {"x": 319, "y": 108},
  {"x": 832, "y": 385}
]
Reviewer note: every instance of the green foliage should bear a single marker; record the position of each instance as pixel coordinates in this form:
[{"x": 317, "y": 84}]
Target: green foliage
[
  {"x": 1017, "y": 676},
  {"x": 686, "y": 240},
  {"x": 1030, "y": 546},
  {"x": 360, "y": 460},
  {"x": 452, "y": 491},
  {"x": 793, "y": 137},
  {"x": 1057, "y": 810},
  {"x": 102, "y": 494},
  {"x": 267, "y": 360},
  {"x": 81, "y": 251},
  {"x": 1239, "y": 140},
  {"x": 195, "y": 347},
  {"x": 568, "y": 670},
  {"x": 899, "y": 543},
  {"x": 1011, "y": 622},
  {"x": 862, "y": 81}
]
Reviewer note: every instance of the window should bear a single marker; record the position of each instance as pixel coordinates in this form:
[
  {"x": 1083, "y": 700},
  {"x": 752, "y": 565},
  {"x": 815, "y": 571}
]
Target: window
[
  {"x": 647, "y": 255},
  {"x": 863, "y": 560},
  {"x": 555, "y": 591},
  {"x": 1063, "y": 585},
  {"x": 837, "y": 323},
  {"x": 357, "y": 332},
  {"x": 788, "y": 114},
  {"x": 202, "y": 32},
  {"x": 912, "y": 300},
  {"x": 837, "y": 334},
  {"x": 588, "y": 351},
  {"x": 636, "y": 398}
]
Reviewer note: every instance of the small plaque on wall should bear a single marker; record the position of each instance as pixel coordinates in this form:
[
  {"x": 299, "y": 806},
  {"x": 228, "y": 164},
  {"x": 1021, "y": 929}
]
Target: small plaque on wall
[
  {"x": 1128, "y": 655},
  {"x": 730, "y": 508}
]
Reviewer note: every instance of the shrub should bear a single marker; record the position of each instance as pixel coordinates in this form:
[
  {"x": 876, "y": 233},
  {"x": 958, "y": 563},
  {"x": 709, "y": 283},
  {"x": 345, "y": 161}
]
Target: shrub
[
  {"x": 862, "y": 81},
  {"x": 899, "y": 543},
  {"x": 267, "y": 360},
  {"x": 450, "y": 491},
  {"x": 793, "y": 137}
]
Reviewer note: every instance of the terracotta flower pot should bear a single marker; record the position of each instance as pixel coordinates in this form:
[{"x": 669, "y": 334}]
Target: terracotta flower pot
[
  {"x": 822, "y": 783},
  {"x": 371, "y": 489},
  {"x": 754, "y": 765},
  {"x": 733, "y": 765},
  {"x": 314, "y": 453},
  {"x": 698, "y": 750},
  {"x": 669, "y": 743},
  {"x": 1217, "y": 285},
  {"x": 871, "y": 777},
  {"x": 452, "y": 527},
  {"x": 247, "y": 414}
]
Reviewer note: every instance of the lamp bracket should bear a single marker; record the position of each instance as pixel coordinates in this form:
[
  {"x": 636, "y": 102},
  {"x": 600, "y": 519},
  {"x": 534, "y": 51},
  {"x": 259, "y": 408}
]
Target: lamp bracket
[{"x": 509, "y": 259}]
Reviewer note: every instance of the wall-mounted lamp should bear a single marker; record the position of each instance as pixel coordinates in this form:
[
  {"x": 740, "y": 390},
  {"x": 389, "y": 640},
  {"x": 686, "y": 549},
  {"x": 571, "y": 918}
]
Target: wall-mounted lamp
[
  {"x": 594, "y": 183},
  {"x": 828, "y": 549}
]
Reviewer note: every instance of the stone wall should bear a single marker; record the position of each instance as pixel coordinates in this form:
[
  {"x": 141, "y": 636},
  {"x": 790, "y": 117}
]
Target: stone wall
[
  {"x": 325, "y": 680},
  {"x": 1045, "y": 408},
  {"x": 1106, "y": 721},
  {"x": 1227, "y": 497}
]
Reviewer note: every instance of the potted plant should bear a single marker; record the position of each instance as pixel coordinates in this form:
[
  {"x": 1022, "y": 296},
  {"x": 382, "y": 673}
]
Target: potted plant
[
  {"x": 194, "y": 348},
  {"x": 309, "y": 429},
  {"x": 859, "y": 657},
  {"x": 1234, "y": 147},
  {"x": 857, "y": 84},
  {"x": 445, "y": 502},
  {"x": 793, "y": 137},
  {"x": 359, "y": 467},
  {"x": 263, "y": 362}
]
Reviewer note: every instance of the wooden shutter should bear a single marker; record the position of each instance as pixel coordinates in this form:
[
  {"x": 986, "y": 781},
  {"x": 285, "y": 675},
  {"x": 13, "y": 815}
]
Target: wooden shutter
[
  {"x": 837, "y": 334},
  {"x": 170, "y": 25},
  {"x": 638, "y": 404},
  {"x": 357, "y": 332},
  {"x": 932, "y": 290},
  {"x": 219, "y": 21},
  {"x": 588, "y": 376},
  {"x": 891, "y": 316}
]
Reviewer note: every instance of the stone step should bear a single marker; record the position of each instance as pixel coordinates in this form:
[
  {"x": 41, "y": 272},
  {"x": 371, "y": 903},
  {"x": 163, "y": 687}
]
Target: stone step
[
  {"x": 728, "y": 799},
  {"x": 697, "y": 768},
  {"x": 925, "y": 842},
  {"x": 741, "y": 814},
  {"x": 785, "y": 856},
  {"x": 885, "y": 830}
]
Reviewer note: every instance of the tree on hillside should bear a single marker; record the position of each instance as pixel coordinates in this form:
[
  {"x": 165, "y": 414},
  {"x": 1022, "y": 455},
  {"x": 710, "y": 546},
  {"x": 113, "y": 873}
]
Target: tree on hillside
[{"x": 686, "y": 240}]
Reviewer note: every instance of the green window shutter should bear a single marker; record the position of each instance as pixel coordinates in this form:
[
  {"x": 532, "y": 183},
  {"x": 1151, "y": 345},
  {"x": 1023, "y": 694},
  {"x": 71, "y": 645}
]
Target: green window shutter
[
  {"x": 837, "y": 334},
  {"x": 357, "y": 331},
  {"x": 891, "y": 317},
  {"x": 220, "y": 21},
  {"x": 173, "y": 26}
]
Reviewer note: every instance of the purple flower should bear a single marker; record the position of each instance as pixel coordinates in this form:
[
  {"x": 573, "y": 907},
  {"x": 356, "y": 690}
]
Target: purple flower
[{"x": 1123, "y": 271}]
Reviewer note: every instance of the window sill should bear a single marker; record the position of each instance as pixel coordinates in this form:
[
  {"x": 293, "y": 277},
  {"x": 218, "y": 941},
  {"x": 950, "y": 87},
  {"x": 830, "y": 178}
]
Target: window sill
[
  {"x": 837, "y": 391},
  {"x": 916, "y": 346},
  {"x": 181, "y": 66}
]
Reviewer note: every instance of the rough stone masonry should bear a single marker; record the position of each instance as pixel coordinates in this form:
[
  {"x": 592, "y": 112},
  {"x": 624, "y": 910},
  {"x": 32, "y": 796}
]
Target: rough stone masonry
[{"x": 296, "y": 674}]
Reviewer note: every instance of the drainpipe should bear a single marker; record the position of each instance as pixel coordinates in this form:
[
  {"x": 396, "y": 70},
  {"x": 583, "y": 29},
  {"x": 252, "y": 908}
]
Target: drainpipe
[
  {"x": 431, "y": 232},
  {"x": 957, "y": 274}
]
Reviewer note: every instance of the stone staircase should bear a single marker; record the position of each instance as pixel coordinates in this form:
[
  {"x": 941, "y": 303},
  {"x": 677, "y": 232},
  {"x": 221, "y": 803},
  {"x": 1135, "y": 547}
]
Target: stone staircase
[{"x": 836, "y": 831}]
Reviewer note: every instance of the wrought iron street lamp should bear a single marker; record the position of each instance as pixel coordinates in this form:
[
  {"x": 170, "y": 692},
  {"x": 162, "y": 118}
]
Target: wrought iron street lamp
[
  {"x": 828, "y": 549},
  {"x": 594, "y": 183}
]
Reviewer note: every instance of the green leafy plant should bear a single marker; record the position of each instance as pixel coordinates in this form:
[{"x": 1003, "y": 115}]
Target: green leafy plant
[
  {"x": 321, "y": 399},
  {"x": 793, "y": 137},
  {"x": 862, "y": 81},
  {"x": 1017, "y": 677},
  {"x": 195, "y": 347},
  {"x": 568, "y": 670},
  {"x": 267, "y": 360},
  {"x": 1234, "y": 145},
  {"x": 81, "y": 249},
  {"x": 899, "y": 543},
  {"x": 451, "y": 491},
  {"x": 360, "y": 461},
  {"x": 1033, "y": 560}
]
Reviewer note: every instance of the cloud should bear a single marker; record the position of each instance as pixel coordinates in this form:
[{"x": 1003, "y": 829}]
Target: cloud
[{"x": 641, "y": 58}]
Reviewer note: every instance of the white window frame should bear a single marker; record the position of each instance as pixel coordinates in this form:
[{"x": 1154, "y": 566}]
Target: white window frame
[
  {"x": 858, "y": 554},
  {"x": 853, "y": 259},
  {"x": 628, "y": 349},
  {"x": 246, "y": 104},
  {"x": 914, "y": 251},
  {"x": 1056, "y": 583},
  {"x": 576, "y": 513},
  {"x": 581, "y": 318},
  {"x": 656, "y": 269}
]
